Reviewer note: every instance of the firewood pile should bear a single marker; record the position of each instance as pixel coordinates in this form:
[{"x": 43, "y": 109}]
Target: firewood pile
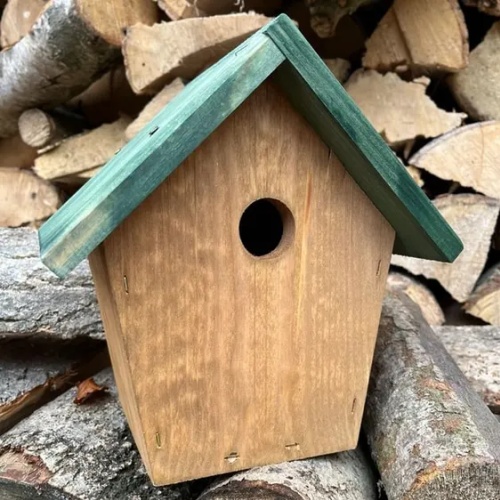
[{"x": 80, "y": 78}]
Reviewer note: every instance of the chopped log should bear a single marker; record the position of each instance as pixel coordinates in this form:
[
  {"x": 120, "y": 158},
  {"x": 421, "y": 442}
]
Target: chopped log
[
  {"x": 40, "y": 129},
  {"x": 326, "y": 14},
  {"x": 477, "y": 87},
  {"x": 419, "y": 293},
  {"x": 484, "y": 302},
  {"x": 78, "y": 179},
  {"x": 430, "y": 434},
  {"x": 193, "y": 45},
  {"x": 35, "y": 303},
  {"x": 25, "y": 198},
  {"x": 64, "y": 450},
  {"x": 83, "y": 152},
  {"x": 15, "y": 153},
  {"x": 473, "y": 217},
  {"x": 346, "y": 475},
  {"x": 339, "y": 67},
  {"x": 154, "y": 106},
  {"x": 386, "y": 98},
  {"x": 475, "y": 350},
  {"x": 491, "y": 7},
  {"x": 37, "y": 72},
  {"x": 108, "y": 98},
  {"x": 183, "y": 9},
  {"x": 17, "y": 19},
  {"x": 416, "y": 175},
  {"x": 66, "y": 373},
  {"x": 423, "y": 36},
  {"x": 469, "y": 155}
]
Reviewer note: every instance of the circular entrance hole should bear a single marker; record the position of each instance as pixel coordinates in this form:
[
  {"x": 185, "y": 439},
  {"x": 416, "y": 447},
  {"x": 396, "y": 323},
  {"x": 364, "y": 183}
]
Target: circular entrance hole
[{"x": 266, "y": 226}]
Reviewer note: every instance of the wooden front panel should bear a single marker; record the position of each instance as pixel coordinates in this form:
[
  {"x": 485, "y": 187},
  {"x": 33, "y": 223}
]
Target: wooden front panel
[{"x": 236, "y": 360}]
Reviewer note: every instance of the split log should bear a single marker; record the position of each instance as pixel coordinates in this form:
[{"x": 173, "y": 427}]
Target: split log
[
  {"x": 473, "y": 217},
  {"x": 430, "y": 434},
  {"x": 475, "y": 350},
  {"x": 64, "y": 450},
  {"x": 423, "y": 36},
  {"x": 37, "y": 72},
  {"x": 40, "y": 129},
  {"x": 416, "y": 175},
  {"x": 15, "y": 153},
  {"x": 25, "y": 198},
  {"x": 477, "y": 87},
  {"x": 183, "y": 9},
  {"x": 78, "y": 179},
  {"x": 491, "y": 7},
  {"x": 419, "y": 293},
  {"x": 108, "y": 98},
  {"x": 339, "y": 67},
  {"x": 34, "y": 302},
  {"x": 484, "y": 302},
  {"x": 154, "y": 106},
  {"x": 17, "y": 19},
  {"x": 193, "y": 44},
  {"x": 346, "y": 475},
  {"x": 62, "y": 371},
  {"x": 469, "y": 155},
  {"x": 326, "y": 14},
  {"x": 82, "y": 152},
  {"x": 384, "y": 99}
]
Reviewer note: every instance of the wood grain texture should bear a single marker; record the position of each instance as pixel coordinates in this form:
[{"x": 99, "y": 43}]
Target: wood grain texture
[
  {"x": 343, "y": 476},
  {"x": 475, "y": 350},
  {"x": 469, "y": 155},
  {"x": 384, "y": 99},
  {"x": 424, "y": 36},
  {"x": 477, "y": 87},
  {"x": 90, "y": 216},
  {"x": 17, "y": 19},
  {"x": 430, "y": 434},
  {"x": 247, "y": 359},
  {"x": 484, "y": 301},
  {"x": 193, "y": 45},
  {"x": 474, "y": 218}
]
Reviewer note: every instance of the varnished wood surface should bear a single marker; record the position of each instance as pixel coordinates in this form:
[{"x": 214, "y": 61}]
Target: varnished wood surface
[{"x": 235, "y": 360}]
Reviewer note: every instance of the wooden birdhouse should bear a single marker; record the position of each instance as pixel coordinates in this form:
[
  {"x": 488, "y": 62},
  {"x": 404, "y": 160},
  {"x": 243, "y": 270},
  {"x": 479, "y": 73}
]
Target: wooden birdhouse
[{"x": 240, "y": 246}]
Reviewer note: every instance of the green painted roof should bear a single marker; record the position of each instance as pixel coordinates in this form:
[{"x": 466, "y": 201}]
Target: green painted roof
[{"x": 83, "y": 222}]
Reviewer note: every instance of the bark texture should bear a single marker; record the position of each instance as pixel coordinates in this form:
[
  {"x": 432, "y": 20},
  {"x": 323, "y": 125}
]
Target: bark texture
[
  {"x": 35, "y": 302},
  {"x": 430, "y": 434},
  {"x": 344, "y": 476}
]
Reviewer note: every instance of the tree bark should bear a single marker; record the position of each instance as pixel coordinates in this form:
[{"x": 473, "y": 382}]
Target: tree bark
[
  {"x": 344, "y": 476},
  {"x": 430, "y": 434},
  {"x": 35, "y": 303},
  {"x": 84, "y": 452},
  {"x": 473, "y": 217},
  {"x": 72, "y": 43}
]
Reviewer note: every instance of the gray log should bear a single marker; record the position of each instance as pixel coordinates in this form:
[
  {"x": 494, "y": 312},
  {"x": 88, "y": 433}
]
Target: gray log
[
  {"x": 431, "y": 435},
  {"x": 65, "y": 451},
  {"x": 344, "y": 476},
  {"x": 33, "y": 301},
  {"x": 476, "y": 350}
]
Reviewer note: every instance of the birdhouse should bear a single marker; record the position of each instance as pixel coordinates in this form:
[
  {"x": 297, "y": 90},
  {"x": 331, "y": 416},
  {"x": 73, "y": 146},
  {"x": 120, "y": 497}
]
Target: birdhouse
[{"x": 240, "y": 245}]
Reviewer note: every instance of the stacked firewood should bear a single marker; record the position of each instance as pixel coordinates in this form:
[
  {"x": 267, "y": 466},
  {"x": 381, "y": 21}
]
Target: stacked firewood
[{"x": 79, "y": 78}]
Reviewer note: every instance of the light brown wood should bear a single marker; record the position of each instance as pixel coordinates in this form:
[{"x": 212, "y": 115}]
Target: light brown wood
[
  {"x": 339, "y": 67},
  {"x": 477, "y": 87},
  {"x": 469, "y": 155},
  {"x": 82, "y": 152},
  {"x": 473, "y": 217},
  {"x": 425, "y": 36},
  {"x": 156, "y": 55},
  {"x": 183, "y": 9},
  {"x": 236, "y": 361},
  {"x": 15, "y": 153},
  {"x": 484, "y": 301},
  {"x": 25, "y": 198},
  {"x": 420, "y": 294},
  {"x": 491, "y": 7},
  {"x": 154, "y": 106},
  {"x": 385, "y": 99},
  {"x": 17, "y": 19}
]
